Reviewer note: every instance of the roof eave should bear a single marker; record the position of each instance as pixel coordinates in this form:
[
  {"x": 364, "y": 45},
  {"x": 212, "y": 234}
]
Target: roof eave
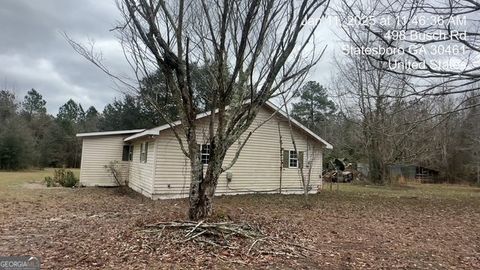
[
  {"x": 140, "y": 135},
  {"x": 108, "y": 133}
]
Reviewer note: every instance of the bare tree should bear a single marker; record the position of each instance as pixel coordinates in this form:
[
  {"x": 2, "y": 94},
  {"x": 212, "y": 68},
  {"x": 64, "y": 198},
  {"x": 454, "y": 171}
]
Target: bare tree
[
  {"x": 456, "y": 141},
  {"x": 304, "y": 179},
  {"x": 402, "y": 57},
  {"x": 390, "y": 131},
  {"x": 252, "y": 49},
  {"x": 436, "y": 42}
]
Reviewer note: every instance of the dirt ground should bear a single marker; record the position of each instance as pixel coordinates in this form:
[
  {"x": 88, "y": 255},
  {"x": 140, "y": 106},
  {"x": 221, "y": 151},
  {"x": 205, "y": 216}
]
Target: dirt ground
[{"x": 414, "y": 227}]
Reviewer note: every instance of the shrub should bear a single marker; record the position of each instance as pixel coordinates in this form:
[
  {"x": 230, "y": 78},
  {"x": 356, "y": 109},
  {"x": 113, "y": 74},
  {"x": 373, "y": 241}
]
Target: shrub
[
  {"x": 49, "y": 181},
  {"x": 63, "y": 178},
  {"x": 115, "y": 170}
]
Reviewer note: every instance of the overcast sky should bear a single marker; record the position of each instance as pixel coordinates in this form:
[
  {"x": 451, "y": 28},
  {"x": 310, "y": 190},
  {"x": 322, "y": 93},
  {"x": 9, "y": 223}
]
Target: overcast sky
[{"x": 34, "y": 54}]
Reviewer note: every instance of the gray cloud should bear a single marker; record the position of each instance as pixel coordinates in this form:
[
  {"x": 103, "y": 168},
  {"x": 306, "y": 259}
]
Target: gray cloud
[{"x": 34, "y": 54}]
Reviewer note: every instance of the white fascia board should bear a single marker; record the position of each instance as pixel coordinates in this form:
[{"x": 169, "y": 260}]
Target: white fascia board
[{"x": 108, "y": 133}]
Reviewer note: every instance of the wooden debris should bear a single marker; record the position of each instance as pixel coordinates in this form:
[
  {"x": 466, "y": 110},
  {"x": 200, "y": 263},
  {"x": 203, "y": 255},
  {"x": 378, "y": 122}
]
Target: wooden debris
[{"x": 219, "y": 234}]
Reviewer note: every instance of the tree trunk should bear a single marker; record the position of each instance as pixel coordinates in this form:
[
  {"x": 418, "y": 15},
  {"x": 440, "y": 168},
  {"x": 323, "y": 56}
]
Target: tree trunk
[
  {"x": 201, "y": 204},
  {"x": 374, "y": 157},
  {"x": 199, "y": 207},
  {"x": 202, "y": 189},
  {"x": 375, "y": 164}
]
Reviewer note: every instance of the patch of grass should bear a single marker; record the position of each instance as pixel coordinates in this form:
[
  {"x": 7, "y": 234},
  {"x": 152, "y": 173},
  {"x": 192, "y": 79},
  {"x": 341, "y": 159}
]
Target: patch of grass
[
  {"x": 16, "y": 179},
  {"x": 437, "y": 191}
]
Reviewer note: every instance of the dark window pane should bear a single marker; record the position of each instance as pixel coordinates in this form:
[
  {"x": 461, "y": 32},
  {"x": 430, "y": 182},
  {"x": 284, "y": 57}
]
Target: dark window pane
[
  {"x": 293, "y": 160},
  {"x": 126, "y": 152}
]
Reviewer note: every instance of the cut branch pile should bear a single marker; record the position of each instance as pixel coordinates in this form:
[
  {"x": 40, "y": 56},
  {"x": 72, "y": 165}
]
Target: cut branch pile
[
  {"x": 217, "y": 231},
  {"x": 226, "y": 235}
]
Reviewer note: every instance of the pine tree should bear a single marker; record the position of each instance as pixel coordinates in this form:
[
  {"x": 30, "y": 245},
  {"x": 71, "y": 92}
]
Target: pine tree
[{"x": 314, "y": 107}]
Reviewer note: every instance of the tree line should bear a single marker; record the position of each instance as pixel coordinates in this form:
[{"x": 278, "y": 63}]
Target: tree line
[{"x": 31, "y": 137}]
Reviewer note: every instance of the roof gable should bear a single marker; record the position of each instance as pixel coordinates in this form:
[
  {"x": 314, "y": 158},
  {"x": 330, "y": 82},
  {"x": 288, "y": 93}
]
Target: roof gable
[
  {"x": 156, "y": 131},
  {"x": 299, "y": 125}
]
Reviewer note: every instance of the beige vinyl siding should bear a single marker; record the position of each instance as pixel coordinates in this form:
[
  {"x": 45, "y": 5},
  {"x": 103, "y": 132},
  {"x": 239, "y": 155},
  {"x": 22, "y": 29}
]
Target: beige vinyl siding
[
  {"x": 98, "y": 152},
  {"x": 142, "y": 174},
  {"x": 257, "y": 169}
]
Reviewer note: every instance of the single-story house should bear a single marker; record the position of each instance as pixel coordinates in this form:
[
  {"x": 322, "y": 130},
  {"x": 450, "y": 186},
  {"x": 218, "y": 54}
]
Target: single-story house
[{"x": 151, "y": 162}]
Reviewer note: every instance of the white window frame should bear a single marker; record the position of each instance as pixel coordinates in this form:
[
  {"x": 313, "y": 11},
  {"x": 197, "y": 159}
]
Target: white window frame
[
  {"x": 204, "y": 157},
  {"x": 130, "y": 153},
  {"x": 144, "y": 152},
  {"x": 290, "y": 158}
]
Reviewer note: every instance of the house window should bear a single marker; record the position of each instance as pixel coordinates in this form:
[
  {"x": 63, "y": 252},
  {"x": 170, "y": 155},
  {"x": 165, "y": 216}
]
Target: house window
[
  {"x": 144, "y": 152},
  {"x": 127, "y": 154},
  {"x": 205, "y": 153},
  {"x": 293, "y": 159}
]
